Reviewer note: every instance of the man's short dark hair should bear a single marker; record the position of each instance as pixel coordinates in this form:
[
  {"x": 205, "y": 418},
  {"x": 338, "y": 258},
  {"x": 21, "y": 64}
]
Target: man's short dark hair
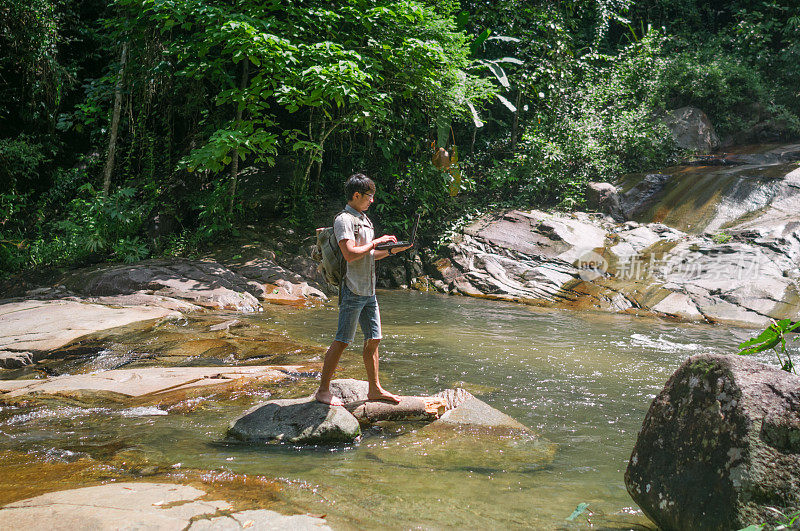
[{"x": 358, "y": 182}]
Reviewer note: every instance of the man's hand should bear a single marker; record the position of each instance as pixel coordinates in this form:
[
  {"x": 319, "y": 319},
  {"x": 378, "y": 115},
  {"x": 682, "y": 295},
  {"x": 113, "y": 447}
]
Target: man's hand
[{"x": 388, "y": 238}]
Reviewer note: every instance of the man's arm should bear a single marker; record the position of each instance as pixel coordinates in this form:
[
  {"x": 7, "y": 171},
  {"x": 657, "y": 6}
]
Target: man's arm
[{"x": 352, "y": 252}]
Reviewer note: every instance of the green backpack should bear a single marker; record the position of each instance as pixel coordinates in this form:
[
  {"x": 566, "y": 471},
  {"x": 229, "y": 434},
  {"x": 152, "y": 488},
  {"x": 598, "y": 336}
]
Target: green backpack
[{"x": 327, "y": 252}]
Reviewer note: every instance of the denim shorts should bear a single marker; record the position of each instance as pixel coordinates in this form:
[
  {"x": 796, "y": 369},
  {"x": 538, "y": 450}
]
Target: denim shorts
[{"x": 357, "y": 308}]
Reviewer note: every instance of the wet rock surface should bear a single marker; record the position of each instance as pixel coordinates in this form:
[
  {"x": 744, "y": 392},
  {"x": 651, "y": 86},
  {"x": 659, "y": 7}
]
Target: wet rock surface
[
  {"x": 37, "y": 321},
  {"x": 151, "y": 381},
  {"x": 142, "y": 506},
  {"x": 30, "y": 329},
  {"x": 299, "y": 421},
  {"x": 719, "y": 446}
]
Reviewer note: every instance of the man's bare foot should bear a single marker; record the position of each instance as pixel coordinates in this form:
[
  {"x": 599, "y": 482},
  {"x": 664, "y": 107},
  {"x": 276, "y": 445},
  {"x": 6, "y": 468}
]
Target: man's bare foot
[
  {"x": 326, "y": 397},
  {"x": 383, "y": 394}
]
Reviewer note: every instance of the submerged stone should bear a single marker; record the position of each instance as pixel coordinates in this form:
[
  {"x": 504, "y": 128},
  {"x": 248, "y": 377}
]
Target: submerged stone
[{"x": 472, "y": 436}]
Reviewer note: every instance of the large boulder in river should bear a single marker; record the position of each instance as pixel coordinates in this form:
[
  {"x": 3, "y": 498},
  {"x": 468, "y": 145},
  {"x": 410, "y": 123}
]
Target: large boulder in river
[
  {"x": 299, "y": 421},
  {"x": 691, "y": 129},
  {"x": 604, "y": 197},
  {"x": 719, "y": 446}
]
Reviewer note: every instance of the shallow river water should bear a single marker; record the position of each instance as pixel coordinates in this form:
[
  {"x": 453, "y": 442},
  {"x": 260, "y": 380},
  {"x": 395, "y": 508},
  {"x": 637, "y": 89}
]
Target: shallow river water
[{"x": 582, "y": 381}]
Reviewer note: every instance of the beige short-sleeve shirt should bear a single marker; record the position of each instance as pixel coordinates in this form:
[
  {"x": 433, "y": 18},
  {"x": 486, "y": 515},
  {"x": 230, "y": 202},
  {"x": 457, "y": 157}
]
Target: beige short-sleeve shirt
[{"x": 356, "y": 226}]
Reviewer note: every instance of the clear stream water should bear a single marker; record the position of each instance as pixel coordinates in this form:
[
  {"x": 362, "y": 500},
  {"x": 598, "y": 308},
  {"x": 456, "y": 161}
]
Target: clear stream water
[{"x": 582, "y": 381}]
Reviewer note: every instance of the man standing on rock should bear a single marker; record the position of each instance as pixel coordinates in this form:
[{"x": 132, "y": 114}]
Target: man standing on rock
[{"x": 357, "y": 301}]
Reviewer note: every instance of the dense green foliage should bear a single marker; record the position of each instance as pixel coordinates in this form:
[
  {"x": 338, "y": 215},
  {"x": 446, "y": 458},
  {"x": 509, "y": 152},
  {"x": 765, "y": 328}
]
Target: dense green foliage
[{"x": 233, "y": 112}]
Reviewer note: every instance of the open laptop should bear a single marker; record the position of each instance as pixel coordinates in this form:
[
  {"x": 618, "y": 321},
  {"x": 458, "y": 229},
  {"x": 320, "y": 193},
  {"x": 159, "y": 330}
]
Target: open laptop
[{"x": 390, "y": 245}]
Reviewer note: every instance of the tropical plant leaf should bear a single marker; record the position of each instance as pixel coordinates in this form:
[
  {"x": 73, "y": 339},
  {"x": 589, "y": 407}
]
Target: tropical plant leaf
[
  {"x": 479, "y": 40},
  {"x": 498, "y": 72},
  {"x": 511, "y": 107},
  {"x": 512, "y": 60},
  {"x": 475, "y": 118},
  {"x": 504, "y": 38}
]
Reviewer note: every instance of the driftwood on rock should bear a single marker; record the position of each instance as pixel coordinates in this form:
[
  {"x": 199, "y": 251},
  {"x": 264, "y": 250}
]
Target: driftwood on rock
[{"x": 410, "y": 408}]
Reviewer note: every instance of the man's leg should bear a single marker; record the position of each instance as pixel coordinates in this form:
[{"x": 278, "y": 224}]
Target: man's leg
[
  {"x": 376, "y": 392},
  {"x": 332, "y": 356},
  {"x": 370, "y": 321},
  {"x": 349, "y": 310}
]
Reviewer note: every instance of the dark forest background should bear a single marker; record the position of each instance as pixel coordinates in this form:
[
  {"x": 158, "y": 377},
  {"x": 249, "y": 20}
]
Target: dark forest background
[{"x": 139, "y": 128}]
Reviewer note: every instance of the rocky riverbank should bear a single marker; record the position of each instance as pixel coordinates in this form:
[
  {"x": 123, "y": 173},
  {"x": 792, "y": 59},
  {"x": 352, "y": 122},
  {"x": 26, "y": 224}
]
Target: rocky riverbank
[
  {"x": 42, "y": 319},
  {"x": 717, "y": 242}
]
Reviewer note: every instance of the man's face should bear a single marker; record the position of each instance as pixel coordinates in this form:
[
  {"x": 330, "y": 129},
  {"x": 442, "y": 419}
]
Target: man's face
[{"x": 361, "y": 202}]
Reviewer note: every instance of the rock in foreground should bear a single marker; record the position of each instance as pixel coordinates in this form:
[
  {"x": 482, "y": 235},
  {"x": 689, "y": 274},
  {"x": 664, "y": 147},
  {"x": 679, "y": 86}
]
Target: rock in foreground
[
  {"x": 140, "y": 506},
  {"x": 305, "y": 421},
  {"x": 301, "y": 421},
  {"x": 719, "y": 445}
]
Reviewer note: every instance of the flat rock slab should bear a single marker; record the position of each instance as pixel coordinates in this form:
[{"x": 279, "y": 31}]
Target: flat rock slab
[
  {"x": 144, "y": 381},
  {"x": 41, "y": 326},
  {"x": 140, "y": 506}
]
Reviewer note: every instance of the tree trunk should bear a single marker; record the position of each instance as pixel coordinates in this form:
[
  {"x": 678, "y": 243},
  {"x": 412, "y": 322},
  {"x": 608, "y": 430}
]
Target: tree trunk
[
  {"x": 515, "y": 124},
  {"x": 323, "y": 135},
  {"x": 472, "y": 145},
  {"x": 235, "y": 157},
  {"x": 112, "y": 141},
  {"x": 319, "y": 163}
]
